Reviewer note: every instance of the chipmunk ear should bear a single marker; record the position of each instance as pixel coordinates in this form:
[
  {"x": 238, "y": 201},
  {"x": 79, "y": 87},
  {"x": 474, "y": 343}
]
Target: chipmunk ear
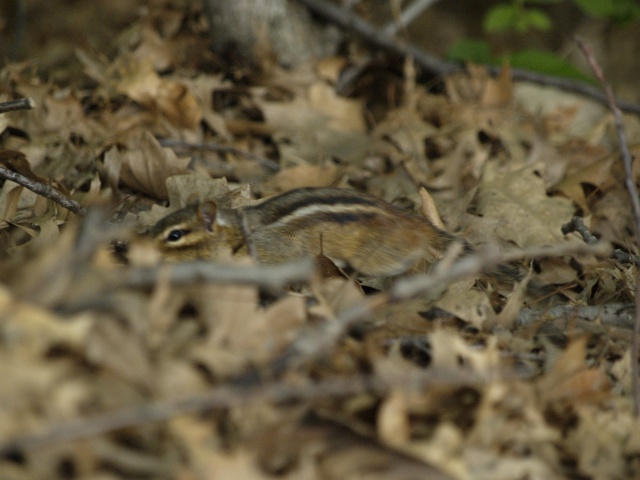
[{"x": 207, "y": 213}]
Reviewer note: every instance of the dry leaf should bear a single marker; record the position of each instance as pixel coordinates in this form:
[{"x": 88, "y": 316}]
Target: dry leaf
[
  {"x": 301, "y": 176},
  {"x": 515, "y": 207},
  {"x": 145, "y": 165},
  {"x": 570, "y": 380},
  {"x": 467, "y": 303}
]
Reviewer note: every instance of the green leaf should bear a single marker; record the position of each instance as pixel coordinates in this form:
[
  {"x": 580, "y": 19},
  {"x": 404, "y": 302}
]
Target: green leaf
[
  {"x": 596, "y": 8},
  {"x": 537, "y": 19},
  {"x": 470, "y": 50},
  {"x": 625, "y": 11},
  {"x": 546, "y": 62},
  {"x": 500, "y": 18}
]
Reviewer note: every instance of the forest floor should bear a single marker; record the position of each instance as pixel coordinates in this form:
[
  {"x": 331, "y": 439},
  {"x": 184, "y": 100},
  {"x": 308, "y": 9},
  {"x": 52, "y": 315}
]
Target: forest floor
[{"x": 113, "y": 370}]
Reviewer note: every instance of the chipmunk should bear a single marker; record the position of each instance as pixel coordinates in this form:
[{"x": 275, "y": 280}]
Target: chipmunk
[{"x": 351, "y": 228}]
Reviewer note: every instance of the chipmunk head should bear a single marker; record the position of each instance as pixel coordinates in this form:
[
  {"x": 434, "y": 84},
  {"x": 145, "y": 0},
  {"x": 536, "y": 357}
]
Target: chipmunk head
[{"x": 188, "y": 234}]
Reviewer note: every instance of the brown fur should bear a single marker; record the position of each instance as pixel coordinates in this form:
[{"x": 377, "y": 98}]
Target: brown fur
[{"x": 355, "y": 229}]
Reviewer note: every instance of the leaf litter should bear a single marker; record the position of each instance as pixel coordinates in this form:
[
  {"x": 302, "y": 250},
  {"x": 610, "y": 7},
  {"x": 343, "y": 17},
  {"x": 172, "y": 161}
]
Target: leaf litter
[{"x": 101, "y": 380}]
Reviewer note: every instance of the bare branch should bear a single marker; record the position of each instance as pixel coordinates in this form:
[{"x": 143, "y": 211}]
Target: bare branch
[
  {"x": 613, "y": 314},
  {"x": 219, "y": 397},
  {"x": 187, "y": 273},
  {"x": 407, "y": 16},
  {"x": 20, "y": 104},
  {"x": 316, "y": 343},
  {"x": 577, "y": 225},
  {"x": 99, "y": 286},
  {"x": 352, "y": 22},
  {"x": 635, "y": 205},
  {"x": 43, "y": 189},
  {"x": 237, "y": 394},
  {"x": 311, "y": 343}
]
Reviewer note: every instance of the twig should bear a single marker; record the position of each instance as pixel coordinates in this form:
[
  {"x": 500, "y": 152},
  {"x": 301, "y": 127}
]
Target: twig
[
  {"x": 188, "y": 273},
  {"x": 310, "y": 344},
  {"x": 220, "y": 397},
  {"x": 43, "y": 189},
  {"x": 625, "y": 258},
  {"x": 577, "y": 225},
  {"x": 235, "y": 395},
  {"x": 613, "y": 314},
  {"x": 214, "y": 147},
  {"x": 407, "y": 16},
  {"x": 316, "y": 343},
  {"x": 20, "y": 104},
  {"x": 352, "y": 22},
  {"x": 635, "y": 205},
  {"x": 183, "y": 274}
]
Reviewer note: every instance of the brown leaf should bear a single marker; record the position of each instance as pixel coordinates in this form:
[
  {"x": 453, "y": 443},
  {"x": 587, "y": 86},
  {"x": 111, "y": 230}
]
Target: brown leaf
[
  {"x": 393, "y": 420},
  {"x": 178, "y": 105},
  {"x": 322, "y": 125},
  {"x": 597, "y": 175},
  {"x": 515, "y": 206},
  {"x": 571, "y": 380},
  {"x": 479, "y": 87},
  {"x": 117, "y": 349},
  {"x": 241, "y": 332},
  {"x": 145, "y": 165},
  {"x": 467, "y": 303},
  {"x": 301, "y": 176},
  {"x": 17, "y": 162}
]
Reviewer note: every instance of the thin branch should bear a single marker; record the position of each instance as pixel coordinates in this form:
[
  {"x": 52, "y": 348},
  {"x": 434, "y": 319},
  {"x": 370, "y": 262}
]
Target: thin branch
[
  {"x": 214, "y": 147},
  {"x": 407, "y": 16},
  {"x": 627, "y": 161},
  {"x": 311, "y": 343},
  {"x": 577, "y": 225},
  {"x": 20, "y": 104},
  {"x": 43, "y": 189},
  {"x": 239, "y": 394},
  {"x": 188, "y": 273},
  {"x": 318, "y": 342},
  {"x": 625, "y": 257},
  {"x": 613, "y": 315},
  {"x": 351, "y": 22},
  {"x": 223, "y": 396},
  {"x": 565, "y": 84},
  {"x": 103, "y": 284}
]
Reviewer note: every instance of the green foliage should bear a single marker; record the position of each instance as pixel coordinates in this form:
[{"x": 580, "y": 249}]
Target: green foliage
[
  {"x": 518, "y": 15},
  {"x": 521, "y": 16},
  {"x": 546, "y": 62},
  {"x": 623, "y": 11},
  {"x": 504, "y": 17},
  {"x": 479, "y": 51},
  {"x": 471, "y": 50}
]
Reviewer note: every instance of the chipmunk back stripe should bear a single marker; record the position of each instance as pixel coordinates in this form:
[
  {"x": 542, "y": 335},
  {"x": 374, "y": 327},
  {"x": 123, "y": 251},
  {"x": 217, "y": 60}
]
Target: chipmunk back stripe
[
  {"x": 338, "y": 212},
  {"x": 284, "y": 205},
  {"x": 340, "y": 218}
]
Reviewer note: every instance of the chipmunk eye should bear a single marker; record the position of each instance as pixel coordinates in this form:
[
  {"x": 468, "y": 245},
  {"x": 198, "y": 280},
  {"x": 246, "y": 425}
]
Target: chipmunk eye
[{"x": 175, "y": 235}]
